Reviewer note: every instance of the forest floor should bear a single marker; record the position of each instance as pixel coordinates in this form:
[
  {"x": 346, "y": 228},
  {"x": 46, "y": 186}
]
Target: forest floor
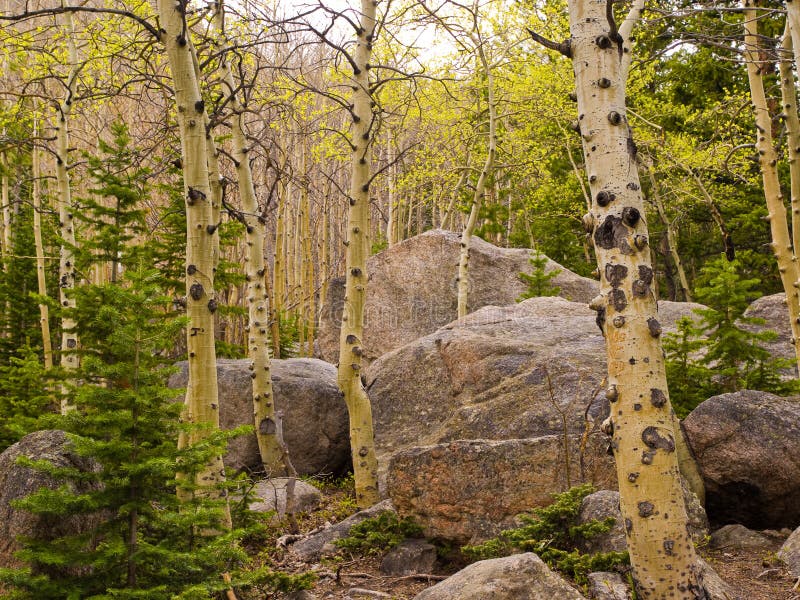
[{"x": 754, "y": 574}]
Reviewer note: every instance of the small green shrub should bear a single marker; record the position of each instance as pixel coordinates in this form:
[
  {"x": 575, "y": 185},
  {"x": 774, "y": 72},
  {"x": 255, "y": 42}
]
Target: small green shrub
[
  {"x": 378, "y": 534},
  {"x": 539, "y": 280},
  {"x": 553, "y": 533}
]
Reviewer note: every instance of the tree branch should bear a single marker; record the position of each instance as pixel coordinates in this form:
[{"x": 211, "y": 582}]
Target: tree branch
[{"x": 564, "y": 47}]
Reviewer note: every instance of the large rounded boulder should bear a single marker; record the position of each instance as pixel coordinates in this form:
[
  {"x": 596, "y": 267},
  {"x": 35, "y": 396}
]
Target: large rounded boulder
[
  {"x": 315, "y": 422},
  {"x": 513, "y": 372},
  {"x": 18, "y": 481},
  {"x": 747, "y": 446},
  {"x": 412, "y": 290}
]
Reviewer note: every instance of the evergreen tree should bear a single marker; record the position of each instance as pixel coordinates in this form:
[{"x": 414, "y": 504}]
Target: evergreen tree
[
  {"x": 539, "y": 280},
  {"x": 149, "y": 545},
  {"x": 723, "y": 352}
]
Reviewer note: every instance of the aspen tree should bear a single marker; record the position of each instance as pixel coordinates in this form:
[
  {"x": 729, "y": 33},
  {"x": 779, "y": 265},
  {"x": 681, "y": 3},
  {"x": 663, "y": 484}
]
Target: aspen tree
[
  {"x": 362, "y": 437},
  {"x": 257, "y": 292},
  {"x": 768, "y": 159},
  {"x": 671, "y": 238},
  {"x": 664, "y": 561},
  {"x": 789, "y": 100},
  {"x": 67, "y": 274},
  {"x": 202, "y": 403},
  {"x": 480, "y": 187},
  {"x": 36, "y": 193}
]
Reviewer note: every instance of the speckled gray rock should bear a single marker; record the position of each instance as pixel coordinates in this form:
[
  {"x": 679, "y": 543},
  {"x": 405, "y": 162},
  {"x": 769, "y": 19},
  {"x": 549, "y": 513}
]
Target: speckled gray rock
[
  {"x": 470, "y": 490},
  {"x": 412, "y": 290},
  {"x": 775, "y": 313},
  {"x": 747, "y": 444},
  {"x": 511, "y": 372},
  {"x": 608, "y": 586},
  {"x": 739, "y": 537},
  {"x": 605, "y": 503},
  {"x": 409, "y": 558},
  {"x": 315, "y": 417},
  {"x": 270, "y": 495},
  {"x": 517, "y": 577},
  {"x": 601, "y": 505},
  {"x": 790, "y": 553},
  {"x": 17, "y": 482},
  {"x": 320, "y": 543}
]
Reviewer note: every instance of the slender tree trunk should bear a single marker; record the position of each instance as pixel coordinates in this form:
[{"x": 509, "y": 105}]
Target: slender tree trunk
[
  {"x": 671, "y": 241},
  {"x": 5, "y": 238},
  {"x": 789, "y": 99},
  {"x": 664, "y": 561},
  {"x": 258, "y": 339},
  {"x": 44, "y": 311},
  {"x": 202, "y": 402},
  {"x": 480, "y": 187},
  {"x": 362, "y": 438},
  {"x": 768, "y": 159},
  {"x": 67, "y": 274}
]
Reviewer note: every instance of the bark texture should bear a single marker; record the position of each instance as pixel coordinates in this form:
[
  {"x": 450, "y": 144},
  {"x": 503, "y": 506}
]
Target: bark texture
[
  {"x": 643, "y": 438},
  {"x": 201, "y": 404},
  {"x": 480, "y": 187},
  {"x": 362, "y": 437},
  {"x": 44, "y": 311},
  {"x": 768, "y": 160},
  {"x": 67, "y": 274},
  {"x": 258, "y": 339}
]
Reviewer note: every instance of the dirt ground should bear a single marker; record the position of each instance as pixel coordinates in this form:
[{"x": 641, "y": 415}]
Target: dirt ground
[{"x": 755, "y": 575}]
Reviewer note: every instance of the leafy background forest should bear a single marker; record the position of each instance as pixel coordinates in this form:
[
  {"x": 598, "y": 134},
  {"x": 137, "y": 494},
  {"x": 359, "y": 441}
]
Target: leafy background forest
[{"x": 436, "y": 74}]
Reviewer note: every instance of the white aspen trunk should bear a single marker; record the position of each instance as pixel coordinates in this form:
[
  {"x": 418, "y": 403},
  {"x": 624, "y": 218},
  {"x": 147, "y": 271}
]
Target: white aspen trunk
[
  {"x": 44, "y": 311},
  {"x": 5, "y": 237},
  {"x": 309, "y": 310},
  {"x": 67, "y": 274},
  {"x": 768, "y": 160},
  {"x": 362, "y": 438},
  {"x": 664, "y": 561},
  {"x": 480, "y": 188},
  {"x": 789, "y": 99},
  {"x": 202, "y": 402},
  {"x": 325, "y": 252},
  {"x": 671, "y": 241},
  {"x": 391, "y": 208},
  {"x": 257, "y": 293},
  {"x": 448, "y": 214}
]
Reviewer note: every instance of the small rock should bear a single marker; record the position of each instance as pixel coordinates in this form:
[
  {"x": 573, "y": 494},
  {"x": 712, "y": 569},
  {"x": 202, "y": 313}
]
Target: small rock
[
  {"x": 409, "y": 558},
  {"x": 716, "y": 588},
  {"x": 790, "y": 553},
  {"x": 364, "y": 593},
  {"x": 518, "y": 577},
  {"x": 321, "y": 543},
  {"x": 608, "y": 586},
  {"x": 605, "y": 503},
  {"x": 299, "y": 595},
  {"x": 601, "y": 505},
  {"x": 739, "y": 537},
  {"x": 270, "y": 495}
]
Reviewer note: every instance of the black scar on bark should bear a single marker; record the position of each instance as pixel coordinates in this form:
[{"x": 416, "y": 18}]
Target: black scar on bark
[
  {"x": 640, "y": 288},
  {"x": 646, "y": 274},
  {"x": 600, "y": 319},
  {"x": 613, "y": 234},
  {"x": 615, "y": 274},
  {"x": 618, "y": 300},
  {"x": 657, "y": 397},
  {"x": 655, "y": 440},
  {"x": 645, "y": 508}
]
